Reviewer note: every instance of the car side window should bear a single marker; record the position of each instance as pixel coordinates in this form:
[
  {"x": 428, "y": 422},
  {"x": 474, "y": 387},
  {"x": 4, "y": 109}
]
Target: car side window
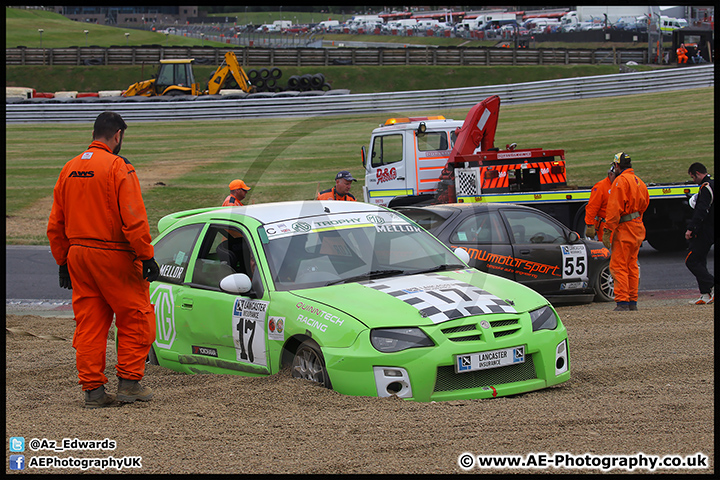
[
  {"x": 530, "y": 227},
  {"x": 484, "y": 227},
  {"x": 387, "y": 149},
  {"x": 172, "y": 253},
  {"x": 224, "y": 251}
]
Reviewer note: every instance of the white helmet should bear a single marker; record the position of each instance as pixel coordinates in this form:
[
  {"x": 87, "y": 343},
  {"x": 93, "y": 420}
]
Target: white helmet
[{"x": 693, "y": 200}]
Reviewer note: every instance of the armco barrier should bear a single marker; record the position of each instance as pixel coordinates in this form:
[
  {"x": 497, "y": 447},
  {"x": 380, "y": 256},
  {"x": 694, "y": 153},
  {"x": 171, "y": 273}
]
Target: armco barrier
[{"x": 199, "y": 108}]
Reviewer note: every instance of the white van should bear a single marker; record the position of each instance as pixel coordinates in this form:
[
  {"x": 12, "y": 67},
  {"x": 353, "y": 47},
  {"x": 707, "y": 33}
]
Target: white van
[
  {"x": 670, "y": 24},
  {"x": 327, "y": 25}
]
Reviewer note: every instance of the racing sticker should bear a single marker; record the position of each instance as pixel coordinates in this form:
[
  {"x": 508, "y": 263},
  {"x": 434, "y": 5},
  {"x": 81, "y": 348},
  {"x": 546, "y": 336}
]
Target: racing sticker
[
  {"x": 276, "y": 328},
  {"x": 440, "y": 298},
  {"x": 162, "y": 298},
  {"x": 248, "y": 330},
  {"x": 574, "y": 261}
]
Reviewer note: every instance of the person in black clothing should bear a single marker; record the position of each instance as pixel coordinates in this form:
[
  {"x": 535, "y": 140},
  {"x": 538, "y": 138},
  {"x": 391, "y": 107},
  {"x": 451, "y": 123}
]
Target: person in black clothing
[{"x": 701, "y": 233}]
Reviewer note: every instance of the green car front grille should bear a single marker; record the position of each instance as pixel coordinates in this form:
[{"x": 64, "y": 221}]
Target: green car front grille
[{"x": 447, "y": 380}]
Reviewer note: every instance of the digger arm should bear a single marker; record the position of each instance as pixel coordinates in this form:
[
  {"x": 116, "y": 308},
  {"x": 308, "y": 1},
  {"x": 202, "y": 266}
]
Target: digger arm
[
  {"x": 145, "y": 88},
  {"x": 229, "y": 66}
]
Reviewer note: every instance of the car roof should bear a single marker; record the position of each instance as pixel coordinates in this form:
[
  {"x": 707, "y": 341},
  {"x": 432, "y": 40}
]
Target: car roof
[{"x": 280, "y": 211}]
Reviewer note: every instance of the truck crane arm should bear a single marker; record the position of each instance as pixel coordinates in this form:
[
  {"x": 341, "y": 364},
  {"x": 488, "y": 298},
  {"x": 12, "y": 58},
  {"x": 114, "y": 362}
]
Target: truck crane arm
[{"x": 478, "y": 130}]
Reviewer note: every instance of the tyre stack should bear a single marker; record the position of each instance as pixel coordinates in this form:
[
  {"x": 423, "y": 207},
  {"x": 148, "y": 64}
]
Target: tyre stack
[
  {"x": 265, "y": 79},
  {"x": 308, "y": 82}
]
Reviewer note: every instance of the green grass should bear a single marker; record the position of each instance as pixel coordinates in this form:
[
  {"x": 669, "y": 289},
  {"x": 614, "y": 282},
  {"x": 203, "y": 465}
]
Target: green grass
[{"x": 184, "y": 165}]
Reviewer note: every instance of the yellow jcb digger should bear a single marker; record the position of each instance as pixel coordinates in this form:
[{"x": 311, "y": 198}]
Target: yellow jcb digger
[{"x": 175, "y": 77}]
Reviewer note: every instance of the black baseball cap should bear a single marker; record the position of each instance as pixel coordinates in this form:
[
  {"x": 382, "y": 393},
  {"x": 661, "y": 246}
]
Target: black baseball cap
[{"x": 345, "y": 175}]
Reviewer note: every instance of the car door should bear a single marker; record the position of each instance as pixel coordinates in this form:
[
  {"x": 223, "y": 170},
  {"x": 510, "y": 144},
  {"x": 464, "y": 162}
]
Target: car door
[
  {"x": 387, "y": 177},
  {"x": 213, "y": 328},
  {"x": 544, "y": 259},
  {"x": 483, "y": 235}
]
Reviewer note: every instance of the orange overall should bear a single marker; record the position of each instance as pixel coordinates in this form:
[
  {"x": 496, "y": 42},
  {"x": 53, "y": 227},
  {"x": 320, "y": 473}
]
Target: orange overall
[
  {"x": 628, "y": 201},
  {"x": 331, "y": 195},
  {"x": 231, "y": 201},
  {"x": 682, "y": 54},
  {"x": 597, "y": 205},
  {"x": 98, "y": 226}
]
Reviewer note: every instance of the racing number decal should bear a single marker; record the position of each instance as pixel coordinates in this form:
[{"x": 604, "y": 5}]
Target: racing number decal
[
  {"x": 574, "y": 261},
  {"x": 248, "y": 330},
  {"x": 243, "y": 326}
]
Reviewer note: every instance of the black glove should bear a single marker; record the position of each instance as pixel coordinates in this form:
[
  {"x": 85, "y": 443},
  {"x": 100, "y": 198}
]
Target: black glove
[
  {"x": 64, "y": 274},
  {"x": 151, "y": 270}
]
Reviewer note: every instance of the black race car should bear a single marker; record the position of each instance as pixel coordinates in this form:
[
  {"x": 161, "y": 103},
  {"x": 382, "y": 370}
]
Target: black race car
[{"x": 522, "y": 244}]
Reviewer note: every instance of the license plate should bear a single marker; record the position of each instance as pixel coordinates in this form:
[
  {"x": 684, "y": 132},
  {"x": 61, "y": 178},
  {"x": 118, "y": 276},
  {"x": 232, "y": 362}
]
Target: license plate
[{"x": 471, "y": 362}]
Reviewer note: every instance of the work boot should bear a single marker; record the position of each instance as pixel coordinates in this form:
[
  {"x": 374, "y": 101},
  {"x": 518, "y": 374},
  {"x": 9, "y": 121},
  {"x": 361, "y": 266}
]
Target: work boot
[
  {"x": 622, "y": 307},
  {"x": 97, "y": 398},
  {"x": 131, "y": 390},
  {"x": 633, "y": 306}
]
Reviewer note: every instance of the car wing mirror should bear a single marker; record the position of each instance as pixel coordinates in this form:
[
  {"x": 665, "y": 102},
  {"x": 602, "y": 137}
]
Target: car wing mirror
[
  {"x": 363, "y": 154},
  {"x": 573, "y": 237},
  {"x": 462, "y": 254},
  {"x": 237, "y": 283}
]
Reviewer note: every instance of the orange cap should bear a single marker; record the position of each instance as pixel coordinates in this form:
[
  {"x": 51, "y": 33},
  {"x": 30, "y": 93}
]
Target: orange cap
[{"x": 238, "y": 184}]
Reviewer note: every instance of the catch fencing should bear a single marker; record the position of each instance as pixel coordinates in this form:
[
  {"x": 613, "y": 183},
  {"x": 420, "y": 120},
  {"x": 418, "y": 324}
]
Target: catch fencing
[
  {"x": 339, "y": 55},
  {"x": 335, "y": 102}
]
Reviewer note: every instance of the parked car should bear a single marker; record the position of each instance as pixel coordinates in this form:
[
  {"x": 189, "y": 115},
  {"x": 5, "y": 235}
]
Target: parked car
[
  {"x": 525, "y": 245},
  {"x": 349, "y": 295}
]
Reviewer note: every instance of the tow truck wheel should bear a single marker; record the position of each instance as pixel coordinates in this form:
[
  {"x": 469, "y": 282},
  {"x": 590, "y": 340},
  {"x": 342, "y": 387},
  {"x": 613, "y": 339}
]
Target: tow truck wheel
[{"x": 309, "y": 364}]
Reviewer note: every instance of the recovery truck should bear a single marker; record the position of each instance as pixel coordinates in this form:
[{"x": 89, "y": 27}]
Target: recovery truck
[
  {"x": 431, "y": 160},
  {"x": 176, "y": 77}
]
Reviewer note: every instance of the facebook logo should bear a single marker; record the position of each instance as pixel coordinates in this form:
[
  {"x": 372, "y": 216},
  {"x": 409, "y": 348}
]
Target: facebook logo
[
  {"x": 17, "y": 462},
  {"x": 17, "y": 444}
]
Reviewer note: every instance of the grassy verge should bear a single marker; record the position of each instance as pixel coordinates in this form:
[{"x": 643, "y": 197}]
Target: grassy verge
[
  {"x": 356, "y": 79},
  {"x": 185, "y": 165}
]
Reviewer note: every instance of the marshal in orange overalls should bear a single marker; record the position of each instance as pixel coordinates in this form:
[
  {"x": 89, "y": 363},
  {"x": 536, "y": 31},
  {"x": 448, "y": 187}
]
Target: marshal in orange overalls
[
  {"x": 596, "y": 208},
  {"x": 628, "y": 201},
  {"x": 98, "y": 226}
]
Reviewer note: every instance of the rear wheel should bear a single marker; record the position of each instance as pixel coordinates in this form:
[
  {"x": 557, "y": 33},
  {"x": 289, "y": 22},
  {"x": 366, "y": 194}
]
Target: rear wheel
[
  {"x": 604, "y": 285},
  {"x": 309, "y": 364}
]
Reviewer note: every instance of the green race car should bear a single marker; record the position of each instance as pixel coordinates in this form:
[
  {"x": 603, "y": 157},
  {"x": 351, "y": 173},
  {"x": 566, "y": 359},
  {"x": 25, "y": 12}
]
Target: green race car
[{"x": 353, "y": 296}]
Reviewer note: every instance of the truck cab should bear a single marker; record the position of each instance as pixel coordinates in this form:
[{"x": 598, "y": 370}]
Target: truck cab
[{"x": 406, "y": 157}]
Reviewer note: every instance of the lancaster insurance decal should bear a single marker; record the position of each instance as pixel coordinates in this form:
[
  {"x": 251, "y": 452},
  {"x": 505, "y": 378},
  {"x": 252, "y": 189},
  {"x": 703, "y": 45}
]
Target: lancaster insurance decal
[
  {"x": 440, "y": 298},
  {"x": 248, "y": 330}
]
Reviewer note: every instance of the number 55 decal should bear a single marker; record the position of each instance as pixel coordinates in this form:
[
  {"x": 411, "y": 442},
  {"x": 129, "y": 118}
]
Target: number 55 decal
[{"x": 574, "y": 261}]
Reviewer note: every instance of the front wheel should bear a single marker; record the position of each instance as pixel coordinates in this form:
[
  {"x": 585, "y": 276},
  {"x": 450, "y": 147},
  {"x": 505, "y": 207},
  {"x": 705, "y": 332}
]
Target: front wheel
[
  {"x": 604, "y": 285},
  {"x": 309, "y": 364}
]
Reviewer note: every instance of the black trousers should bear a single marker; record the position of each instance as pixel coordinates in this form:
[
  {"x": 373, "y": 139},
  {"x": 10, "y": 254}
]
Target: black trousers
[{"x": 696, "y": 262}]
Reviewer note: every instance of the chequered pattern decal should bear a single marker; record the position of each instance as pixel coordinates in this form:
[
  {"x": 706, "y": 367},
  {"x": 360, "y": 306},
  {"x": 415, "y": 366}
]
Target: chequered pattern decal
[
  {"x": 467, "y": 182},
  {"x": 440, "y": 298}
]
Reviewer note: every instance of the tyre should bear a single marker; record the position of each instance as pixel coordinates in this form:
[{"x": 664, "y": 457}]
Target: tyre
[
  {"x": 293, "y": 82},
  {"x": 152, "y": 358},
  {"x": 259, "y": 85},
  {"x": 325, "y": 87},
  {"x": 270, "y": 84},
  {"x": 276, "y": 73},
  {"x": 603, "y": 284},
  {"x": 317, "y": 80},
  {"x": 667, "y": 241},
  {"x": 253, "y": 75},
  {"x": 264, "y": 73},
  {"x": 304, "y": 83},
  {"x": 309, "y": 364}
]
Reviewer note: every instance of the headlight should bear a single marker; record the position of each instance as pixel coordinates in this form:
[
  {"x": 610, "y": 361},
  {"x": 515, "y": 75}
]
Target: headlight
[
  {"x": 388, "y": 340},
  {"x": 543, "y": 319}
]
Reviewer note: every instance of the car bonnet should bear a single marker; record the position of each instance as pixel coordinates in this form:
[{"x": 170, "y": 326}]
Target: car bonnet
[{"x": 420, "y": 299}]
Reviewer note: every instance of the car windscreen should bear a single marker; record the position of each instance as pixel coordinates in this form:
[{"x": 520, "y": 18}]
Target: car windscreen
[{"x": 331, "y": 249}]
